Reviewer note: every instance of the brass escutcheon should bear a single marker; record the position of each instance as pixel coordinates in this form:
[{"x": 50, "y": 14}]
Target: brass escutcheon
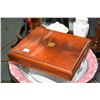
[{"x": 51, "y": 44}]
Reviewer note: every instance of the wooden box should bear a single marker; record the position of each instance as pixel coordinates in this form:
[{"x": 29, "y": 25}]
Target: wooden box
[{"x": 52, "y": 52}]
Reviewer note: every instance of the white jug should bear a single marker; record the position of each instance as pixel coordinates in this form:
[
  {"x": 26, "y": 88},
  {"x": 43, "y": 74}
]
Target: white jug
[{"x": 81, "y": 27}]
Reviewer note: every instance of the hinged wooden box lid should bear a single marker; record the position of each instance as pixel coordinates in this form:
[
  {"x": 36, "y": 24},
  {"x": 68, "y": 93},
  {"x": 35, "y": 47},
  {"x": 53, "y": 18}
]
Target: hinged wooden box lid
[{"x": 52, "y": 52}]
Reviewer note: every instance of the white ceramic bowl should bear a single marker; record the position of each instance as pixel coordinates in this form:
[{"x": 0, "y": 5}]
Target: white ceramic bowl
[
  {"x": 40, "y": 77},
  {"x": 58, "y": 27}
]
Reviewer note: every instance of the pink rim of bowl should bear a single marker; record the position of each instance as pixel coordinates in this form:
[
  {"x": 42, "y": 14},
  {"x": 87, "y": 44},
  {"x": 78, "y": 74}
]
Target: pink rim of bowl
[{"x": 92, "y": 68}]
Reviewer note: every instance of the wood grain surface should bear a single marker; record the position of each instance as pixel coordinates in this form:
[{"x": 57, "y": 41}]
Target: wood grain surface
[{"x": 53, "y": 52}]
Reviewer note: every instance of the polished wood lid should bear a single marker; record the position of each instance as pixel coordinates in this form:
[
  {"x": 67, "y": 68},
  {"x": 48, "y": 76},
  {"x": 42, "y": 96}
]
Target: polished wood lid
[{"x": 50, "y": 51}]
